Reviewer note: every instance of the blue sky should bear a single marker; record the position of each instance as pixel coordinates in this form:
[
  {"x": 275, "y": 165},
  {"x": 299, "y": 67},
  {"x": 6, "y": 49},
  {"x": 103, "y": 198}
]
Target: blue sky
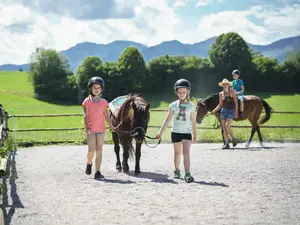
[{"x": 27, "y": 24}]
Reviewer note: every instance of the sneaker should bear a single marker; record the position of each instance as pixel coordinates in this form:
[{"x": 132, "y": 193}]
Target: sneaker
[
  {"x": 177, "y": 174},
  {"x": 98, "y": 175},
  {"x": 234, "y": 142},
  {"x": 226, "y": 146},
  {"x": 188, "y": 178},
  {"x": 88, "y": 170}
]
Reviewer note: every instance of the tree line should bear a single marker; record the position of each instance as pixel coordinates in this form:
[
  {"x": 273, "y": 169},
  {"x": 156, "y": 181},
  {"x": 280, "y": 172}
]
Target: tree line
[{"x": 54, "y": 81}]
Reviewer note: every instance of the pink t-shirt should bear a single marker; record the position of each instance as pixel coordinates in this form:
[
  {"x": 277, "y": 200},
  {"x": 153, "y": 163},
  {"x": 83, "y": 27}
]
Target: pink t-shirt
[{"x": 95, "y": 114}]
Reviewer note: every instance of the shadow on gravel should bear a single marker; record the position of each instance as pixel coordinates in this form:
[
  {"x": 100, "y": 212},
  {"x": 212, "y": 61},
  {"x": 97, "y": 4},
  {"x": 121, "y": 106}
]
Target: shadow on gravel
[
  {"x": 211, "y": 183},
  {"x": 116, "y": 181},
  {"x": 11, "y": 173},
  {"x": 245, "y": 149},
  {"x": 154, "y": 177}
]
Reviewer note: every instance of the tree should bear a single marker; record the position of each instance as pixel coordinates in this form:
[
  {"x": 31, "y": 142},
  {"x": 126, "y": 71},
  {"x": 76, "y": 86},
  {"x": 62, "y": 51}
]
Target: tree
[
  {"x": 50, "y": 75},
  {"x": 291, "y": 67},
  {"x": 200, "y": 72},
  {"x": 164, "y": 71},
  {"x": 133, "y": 70},
  {"x": 230, "y": 52},
  {"x": 268, "y": 74},
  {"x": 113, "y": 78},
  {"x": 90, "y": 67}
]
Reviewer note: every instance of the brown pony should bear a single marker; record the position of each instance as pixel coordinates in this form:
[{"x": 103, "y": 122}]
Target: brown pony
[
  {"x": 130, "y": 122},
  {"x": 253, "y": 107}
]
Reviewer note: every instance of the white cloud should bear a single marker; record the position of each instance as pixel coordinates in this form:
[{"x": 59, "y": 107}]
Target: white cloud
[
  {"x": 10, "y": 14},
  {"x": 198, "y": 3},
  {"x": 153, "y": 23},
  {"x": 83, "y": 10},
  {"x": 276, "y": 24},
  {"x": 231, "y": 21},
  {"x": 201, "y": 3},
  {"x": 23, "y": 29},
  {"x": 180, "y": 3}
]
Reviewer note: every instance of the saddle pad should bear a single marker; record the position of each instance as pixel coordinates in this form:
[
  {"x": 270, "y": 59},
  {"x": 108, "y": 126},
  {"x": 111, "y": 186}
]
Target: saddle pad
[{"x": 115, "y": 104}]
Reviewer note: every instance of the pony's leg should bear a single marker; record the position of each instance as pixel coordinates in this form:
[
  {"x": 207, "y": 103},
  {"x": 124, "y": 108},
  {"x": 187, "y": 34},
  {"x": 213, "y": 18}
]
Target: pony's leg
[
  {"x": 117, "y": 150},
  {"x": 251, "y": 136},
  {"x": 259, "y": 136},
  {"x": 253, "y": 121},
  {"x": 138, "y": 147},
  {"x": 126, "y": 147}
]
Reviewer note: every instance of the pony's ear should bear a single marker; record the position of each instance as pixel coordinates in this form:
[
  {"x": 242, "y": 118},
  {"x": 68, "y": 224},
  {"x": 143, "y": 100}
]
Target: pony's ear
[
  {"x": 148, "y": 107},
  {"x": 141, "y": 95}
]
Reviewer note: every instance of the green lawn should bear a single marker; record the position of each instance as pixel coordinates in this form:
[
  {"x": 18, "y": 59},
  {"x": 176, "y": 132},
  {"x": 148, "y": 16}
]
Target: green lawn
[{"x": 17, "y": 97}]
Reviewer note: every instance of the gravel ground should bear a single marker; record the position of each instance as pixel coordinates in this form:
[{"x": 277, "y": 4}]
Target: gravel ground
[{"x": 48, "y": 186}]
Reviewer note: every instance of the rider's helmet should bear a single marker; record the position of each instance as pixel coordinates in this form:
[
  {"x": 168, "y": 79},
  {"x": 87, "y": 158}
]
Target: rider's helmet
[
  {"x": 182, "y": 83},
  {"x": 96, "y": 80},
  {"x": 237, "y": 72}
]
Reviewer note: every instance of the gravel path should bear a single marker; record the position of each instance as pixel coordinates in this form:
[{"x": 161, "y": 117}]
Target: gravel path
[{"x": 48, "y": 186}]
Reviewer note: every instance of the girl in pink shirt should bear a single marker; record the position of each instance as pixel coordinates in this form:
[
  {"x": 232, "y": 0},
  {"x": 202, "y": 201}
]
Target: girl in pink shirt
[{"x": 95, "y": 114}]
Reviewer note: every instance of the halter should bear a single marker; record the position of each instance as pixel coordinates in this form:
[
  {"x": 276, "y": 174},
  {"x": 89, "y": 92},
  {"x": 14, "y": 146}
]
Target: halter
[{"x": 133, "y": 133}]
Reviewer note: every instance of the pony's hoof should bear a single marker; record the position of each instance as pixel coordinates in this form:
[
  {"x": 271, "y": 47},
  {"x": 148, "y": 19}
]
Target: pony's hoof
[
  {"x": 137, "y": 172},
  {"x": 125, "y": 169},
  {"x": 119, "y": 167},
  {"x": 247, "y": 145}
]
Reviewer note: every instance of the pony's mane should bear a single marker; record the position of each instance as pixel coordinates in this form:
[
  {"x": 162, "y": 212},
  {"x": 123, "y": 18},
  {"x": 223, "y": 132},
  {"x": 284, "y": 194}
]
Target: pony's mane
[
  {"x": 210, "y": 97},
  {"x": 126, "y": 105}
]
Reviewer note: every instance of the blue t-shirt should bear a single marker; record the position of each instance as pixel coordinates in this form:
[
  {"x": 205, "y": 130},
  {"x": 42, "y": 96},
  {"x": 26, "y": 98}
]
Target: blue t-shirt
[
  {"x": 236, "y": 85},
  {"x": 182, "y": 117}
]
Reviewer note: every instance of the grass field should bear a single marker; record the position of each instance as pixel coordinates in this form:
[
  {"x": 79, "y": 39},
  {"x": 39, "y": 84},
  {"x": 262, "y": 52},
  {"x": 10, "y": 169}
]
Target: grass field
[{"x": 17, "y": 97}]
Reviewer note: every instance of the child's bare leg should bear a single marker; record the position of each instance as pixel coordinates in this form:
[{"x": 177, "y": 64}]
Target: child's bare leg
[
  {"x": 228, "y": 128},
  {"x": 242, "y": 106},
  {"x": 225, "y": 133},
  {"x": 99, "y": 146},
  {"x": 186, "y": 154},
  {"x": 91, "y": 147},
  {"x": 177, "y": 154}
]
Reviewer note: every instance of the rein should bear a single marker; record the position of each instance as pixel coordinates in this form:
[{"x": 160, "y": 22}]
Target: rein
[{"x": 134, "y": 133}]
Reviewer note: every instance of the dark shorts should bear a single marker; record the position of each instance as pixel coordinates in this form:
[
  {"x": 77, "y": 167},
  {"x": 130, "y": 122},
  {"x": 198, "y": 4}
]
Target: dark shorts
[
  {"x": 227, "y": 114},
  {"x": 177, "y": 137}
]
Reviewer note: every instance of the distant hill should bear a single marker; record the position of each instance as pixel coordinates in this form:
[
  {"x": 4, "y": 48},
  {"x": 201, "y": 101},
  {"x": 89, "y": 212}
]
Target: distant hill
[{"x": 111, "y": 52}]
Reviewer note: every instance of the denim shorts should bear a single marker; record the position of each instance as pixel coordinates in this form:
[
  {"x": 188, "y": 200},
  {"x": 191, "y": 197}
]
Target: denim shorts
[
  {"x": 227, "y": 114},
  {"x": 241, "y": 97}
]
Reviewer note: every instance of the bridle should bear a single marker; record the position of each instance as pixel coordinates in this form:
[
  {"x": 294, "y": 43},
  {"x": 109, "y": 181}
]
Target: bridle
[{"x": 133, "y": 133}]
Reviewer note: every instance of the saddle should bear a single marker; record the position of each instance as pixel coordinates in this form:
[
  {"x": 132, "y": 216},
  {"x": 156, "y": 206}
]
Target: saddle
[{"x": 116, "y": 104}]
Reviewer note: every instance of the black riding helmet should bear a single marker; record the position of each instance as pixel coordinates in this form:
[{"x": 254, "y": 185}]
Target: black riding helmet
[
  {"x": 96, "y": 80},
  {"x": 237, "y": 72},
  {"x": 182, "y": 83}
]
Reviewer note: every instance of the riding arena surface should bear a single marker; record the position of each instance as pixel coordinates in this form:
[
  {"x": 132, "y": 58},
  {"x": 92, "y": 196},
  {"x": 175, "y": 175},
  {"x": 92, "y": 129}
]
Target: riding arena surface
[{"x": 48, "y": 186}]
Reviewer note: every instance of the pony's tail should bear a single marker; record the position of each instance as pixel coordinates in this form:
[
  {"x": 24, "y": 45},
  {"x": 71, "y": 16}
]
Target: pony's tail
[
  {"x": 131, "y": 151},
  {"x": 268, "y": 110}
]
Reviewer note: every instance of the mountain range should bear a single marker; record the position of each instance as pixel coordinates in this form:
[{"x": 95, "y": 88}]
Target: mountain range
[{"x": 111, "y": 52}]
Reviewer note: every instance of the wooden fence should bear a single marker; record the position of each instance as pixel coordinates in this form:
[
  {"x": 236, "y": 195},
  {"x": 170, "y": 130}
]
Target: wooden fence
[
  {"x": 3, "y": 125},
  {"x": 153, "y": 126}
]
